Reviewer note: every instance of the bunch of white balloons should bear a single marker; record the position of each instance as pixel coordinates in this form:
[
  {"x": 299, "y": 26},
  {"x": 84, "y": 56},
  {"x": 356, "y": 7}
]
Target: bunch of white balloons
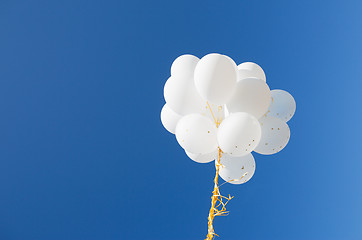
[{"x": 212, "y": 103}]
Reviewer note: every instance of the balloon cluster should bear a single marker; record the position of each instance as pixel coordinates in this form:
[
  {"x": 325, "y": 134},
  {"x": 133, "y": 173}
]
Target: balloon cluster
[{"x": 213, "y": 105}]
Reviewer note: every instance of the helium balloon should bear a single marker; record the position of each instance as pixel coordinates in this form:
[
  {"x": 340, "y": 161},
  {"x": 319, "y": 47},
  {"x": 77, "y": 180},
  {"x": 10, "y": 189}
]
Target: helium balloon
[
  {"x": 215, "y": 78},
  {"x": 282, "y": 105},
  {"x": 275, "y": 135},
  {"x": 238, "y": 134},
  {"x": 232, "y": 169},
  {"x": 251, "y": 95},
  {"x": 203, "y": 158},
  {"x": 182, "y": 97},
  {"x": 169, "y": 118},
  {"x": 220, "y": 111},
  {"x": 196, "y": 134},
  {"x": 184, "y": 66},
  {"x": 251, "y": 70}
]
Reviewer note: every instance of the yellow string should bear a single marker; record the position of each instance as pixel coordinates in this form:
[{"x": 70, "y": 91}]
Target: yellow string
[
  {"x": 216, "y": 198},
  {"x": 217, "y": 124}
]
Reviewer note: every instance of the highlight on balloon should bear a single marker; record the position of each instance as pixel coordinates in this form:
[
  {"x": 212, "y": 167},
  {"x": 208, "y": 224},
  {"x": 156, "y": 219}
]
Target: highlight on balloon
[{"x": 220, "y": 111}]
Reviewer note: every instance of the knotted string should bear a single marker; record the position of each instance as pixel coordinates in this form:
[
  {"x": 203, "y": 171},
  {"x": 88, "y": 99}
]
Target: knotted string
[{"x": 218, "y": 206}]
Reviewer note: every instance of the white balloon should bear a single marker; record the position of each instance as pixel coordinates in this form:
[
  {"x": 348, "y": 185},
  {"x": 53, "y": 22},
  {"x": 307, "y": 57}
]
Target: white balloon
[
  {"x": 282, "y": 105},
  {"x": 203, "y": 158},
  {"x": 196, "y": 134},
  {"x": 182, "y": 97},
  {"x": 251, "y": 70},
  {"x": 251, "y": 95},
  {"x": 169, "y": 118},
  {"x": 215, "y": 78},
  {"x": 232, "y": 169},
  {"x": 239, "y": 134},
  {"x": 275, "y": 135},
  {"x": 184, "y": 66}
]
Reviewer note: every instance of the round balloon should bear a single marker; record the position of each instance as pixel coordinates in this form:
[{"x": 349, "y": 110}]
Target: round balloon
[
  {"x": 239, "y": 134},
  {"x": 196, "y": 134},
  {"x": 182, "y": 97},
  {"x": 215, "y": 78},
  {"x": 251, "y": 95},
  {"x": 169, "y": 119},
  {"x": 282, "y": 105},
  {"x": 275, "y": 135},
  {"x": 251, "y": 70},
  {"x": 203, "y": 158},
  {"x": 237, "y": 170},
  {"x": 184, "y": 66}
]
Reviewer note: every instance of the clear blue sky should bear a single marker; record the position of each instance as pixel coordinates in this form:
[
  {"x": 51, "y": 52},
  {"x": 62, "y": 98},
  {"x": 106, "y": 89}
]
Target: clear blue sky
[{"x": 83, "y": 154}]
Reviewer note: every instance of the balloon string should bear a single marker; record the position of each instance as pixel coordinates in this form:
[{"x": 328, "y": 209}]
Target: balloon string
[
  {"x": 217, "y": 200},
  {"x": 232, "y": 180}
]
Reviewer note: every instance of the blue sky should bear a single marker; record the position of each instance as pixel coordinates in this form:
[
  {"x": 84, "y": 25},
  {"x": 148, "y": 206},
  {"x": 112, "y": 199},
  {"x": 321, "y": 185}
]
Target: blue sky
[{"x": 83, "y": 154}]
